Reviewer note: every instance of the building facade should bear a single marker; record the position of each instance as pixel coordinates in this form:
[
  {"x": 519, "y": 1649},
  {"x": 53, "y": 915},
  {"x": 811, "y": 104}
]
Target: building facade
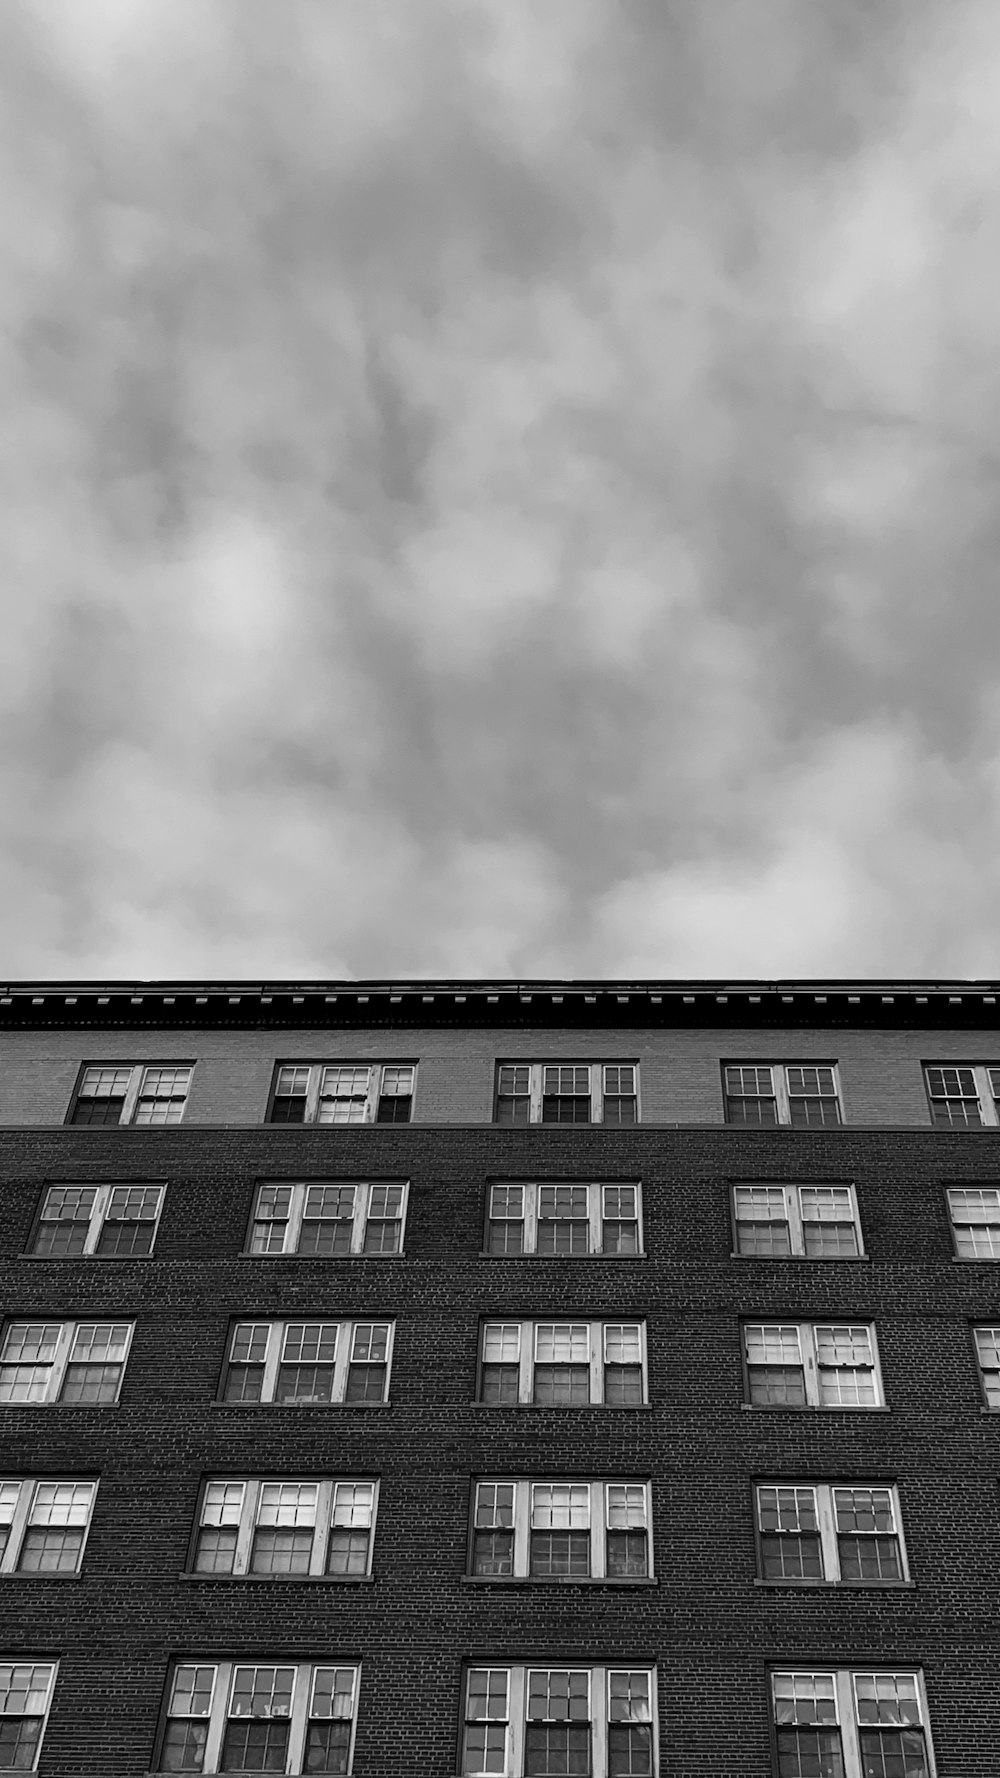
[{"x": 500, "y": 1378}]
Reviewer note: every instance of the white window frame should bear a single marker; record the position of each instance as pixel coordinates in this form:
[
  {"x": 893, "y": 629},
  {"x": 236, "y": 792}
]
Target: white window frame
[
  {"x": 792, "y": 1214},
  {"x": 985, "y": 1220},
  {"x": 135, "y": 1095},
  {"x": 844, "y": 1689},
  {"x": 12, "y": 1666},
  {"x": 986, "y": 1339},
  {"x": 515, "y": 1678},
  {"x": 985, "y": 1093},
  {"x": 374, "y": 1089},
  {"x": 217, "y": 1717},
  {"x": 531, "y": 1190},
  {"x": 782, "y": 1093},
  {"x": 598, "y": 1084},
  {"x": 597, "y": 1339},
  {"x": 98, "y": 1215},
  {"x": 825, "y": 1508},
  {"x": 20, "y": 1498},
  {"x": 600, "y": 1502},
  {"x": 347, "y": 1333},
  {"x": 242, "y": 1515},
  {"x": 66, "y": 1333},
  {"x": 364, "y": 1190},
  {"x": 807, "y": 1333}
]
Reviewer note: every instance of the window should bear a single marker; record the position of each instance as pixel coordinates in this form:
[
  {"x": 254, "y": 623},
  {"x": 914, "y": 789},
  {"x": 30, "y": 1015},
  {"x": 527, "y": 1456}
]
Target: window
[
  {"x": 763, "y": 1093},
  {"x": 567, "y": 1093},
  {"x": 962, "y": 1097},
  {"x": 564, "y": 1363},
  {"x": 975, "y": 1221},
  {"x": 563, "y": 1530},
  {"x": 228, "y": 1716},
  {"x": 79, "y": 1362},
  {"x": 309, "y": 1363},
  {"x": 802, "y": 1364},
  {"x": 253, "y": 1526},
  {"x": 25, "y": 1697},
  {"x": 522, "y": 1721},
  {"x": 131, "y": 1093},
  {"x": 343, "y": 1093},
  {"x": 829, "y": 1531},
  {"x": 988, "y": 1356},
  {"x": 328, "y": 1218},
  {"x": 111, "y": 1221},
  {"x": 808, "y": 1221},
  {"x": 43, "y": 1525},
  {"x": 844, "y": 1724},
  {"x": 564, "y": 1218}
]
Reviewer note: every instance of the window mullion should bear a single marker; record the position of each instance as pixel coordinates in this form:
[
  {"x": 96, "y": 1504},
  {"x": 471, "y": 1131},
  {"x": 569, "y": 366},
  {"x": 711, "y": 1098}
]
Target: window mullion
[
  {"x": 522, "y": 1529},
  {"x": 217, "y": 1718},
  {"x": 312, "y": 1093},
  {"x": 779, "y": 1087},
  {"x": 535, "y": 1078},
  {"x": 597, "y": 1092},
  {"x": 60, "y": 1359},
  {"x": 596, "y": 1331},
  {"x": 298, "y": 1716},
  {"x": 987, "y": 1104},
  {"x": 371, "y": 1097},
  {"x": 848, "y": 1724},
  {"x": 18, "y": 1525},
  {"x": 293, "y": 1230},
  {"x": 131, "y": 1094},
  {"x": 97, "y": 1215},
  {"x": 246, "y": 1527},
  {"x": 807, "y": 1356},
  {"x": 362, "y": 1199},
  {"x": 598, "y": 1530},
  {"x": 600, "y": 1704},
  {"x": 272, "y": 1359},
  {"x": 827, "y": 1519},
  {"x": 793, "y": 1211},
  {"x": 345, "y": 1340},
  {"x": 531, "y": 1217},
  {"x": 517, "y": 1687},
  {"x": 595, "y": 1218},
  {"x": 526, "y": 1372}
]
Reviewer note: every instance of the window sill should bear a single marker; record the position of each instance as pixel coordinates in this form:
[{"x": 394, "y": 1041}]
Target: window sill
[
  {"x": 270, "y": 1580},
  {"x": 533, "y": 1582},
  {"x": 327, "y": 1258},
  {"x": 66, "y": 1259},
  {"x": 837, "y": 1586},
  {"x": 810, "y": 1259},
  {"x": 756, "y": 1407},
  {"x": 605, "y": 1258},
  {"x": 541, "y": 1407},
  {"x": 37, "y": 1574},
  {"x": 293, "y": 1407}
]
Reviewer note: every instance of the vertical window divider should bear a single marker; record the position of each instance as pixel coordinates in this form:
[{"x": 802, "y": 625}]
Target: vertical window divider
[
  {"x": 301, "y": 1690},
  {"x": 247, "y": 1526},
  {"x": 597, "y": 1092},
  {"x": 598, "y": 1354},
  {"x": 276, "y": 1337},
  {"x": 599, "y": 1686},
  {"x": 531, "y": 1217},
  {"x": 826, "y": 1519},
  {"x": 595, "y": 1204},
  {"x": 222, "y": 1680},
  {"x": 527, "y": 1352},
  {"x": 362, "y": 1199},
  {"x": 598, "y": 1529}
]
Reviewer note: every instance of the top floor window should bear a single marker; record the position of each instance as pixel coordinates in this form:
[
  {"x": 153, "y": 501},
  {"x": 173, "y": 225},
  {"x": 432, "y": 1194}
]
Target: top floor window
[
  {"x": 131, "y": 1093},
  {"x": 567, "y": 1093},
  {"x": 342, "y": 1093},
  {"x": 804, "y": 1095},
  {"x": 962, "y": 1097}
]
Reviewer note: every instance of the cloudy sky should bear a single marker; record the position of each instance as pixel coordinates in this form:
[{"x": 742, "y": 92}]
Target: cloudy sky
[{"x": 500, "y": 487}]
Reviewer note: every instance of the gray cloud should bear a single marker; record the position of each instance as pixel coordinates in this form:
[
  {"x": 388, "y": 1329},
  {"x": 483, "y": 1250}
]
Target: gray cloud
[{"x": 500, "y": 488}]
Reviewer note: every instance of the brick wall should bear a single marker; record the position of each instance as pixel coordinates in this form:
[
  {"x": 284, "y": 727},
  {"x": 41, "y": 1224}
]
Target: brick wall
[{"x": 710, "y": 1628}]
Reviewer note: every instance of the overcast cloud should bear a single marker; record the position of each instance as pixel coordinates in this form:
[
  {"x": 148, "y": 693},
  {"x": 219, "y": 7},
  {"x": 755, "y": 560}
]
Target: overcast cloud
[{"x": 500, "y": 487}]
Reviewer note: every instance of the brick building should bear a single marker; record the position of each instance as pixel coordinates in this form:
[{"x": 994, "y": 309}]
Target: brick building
[{"x": 522, "y": 1378}]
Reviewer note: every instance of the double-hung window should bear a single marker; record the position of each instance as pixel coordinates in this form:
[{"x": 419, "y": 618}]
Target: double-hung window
[
  {"x": 975, "y": 1221},
  {"x": 342, "y": 1093},
  {"x": 564, "y": 1218},
  {"x": 963, "y": 1096},
  {"x": 564, "y": 1363},
  {"x": 310, "y": 1363},
  {"x": 844, "y": 1723},
  {"x": 988, "y": 1358},
  {"x": 802, "y": 1221},
  {"x": 561, "y": 1530},
  {"x": 109, "y": 1221},
  {"x": 131, "y": 1093},
  {"x": 25, "y": 1698},
  {"x": 535, "y": 1722},
  {"x": 250, "y": 1525},
  {"x": 798, "y": 1364},
  {"x": 567, "y": 1093},
  {"x": 804, "y": 1095},
  {"x": 829, "y": 1531},
  {"x": 329, "y": 1218},
  {"x": 280, "y": 1716},
  {"x": 78, "y": 1362},
  {"x": 43, "y": 1525}
]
